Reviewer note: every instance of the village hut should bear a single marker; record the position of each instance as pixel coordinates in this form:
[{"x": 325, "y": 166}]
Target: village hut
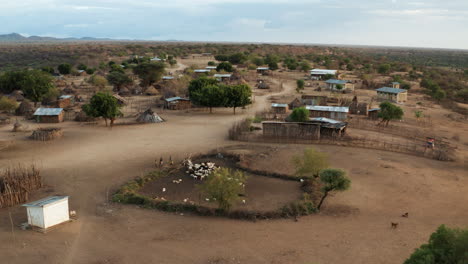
[
  {"x": 151, "y": 91},
  {"x": 124, "y": 91},
  {"x": 149, "y": 117},
  {"x": 49, "y": 115},
  {"x": 69, "y": 90},
  {"x": 296, "y": 103},
  {"x": 17, "y": 95},
  {"x": 120, "y": 99},
  {"x": 48, "y": 212},
  {"x": 26, "y": 109},
  {"x": 46, "y": 134},
  {"x": 373, "y": 113},
  {"x": 177, "y": 103},
  {"x": 136, "y": 89}
]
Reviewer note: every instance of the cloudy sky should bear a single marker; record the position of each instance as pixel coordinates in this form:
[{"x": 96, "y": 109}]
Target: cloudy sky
[{"x": 418, "y": 23}]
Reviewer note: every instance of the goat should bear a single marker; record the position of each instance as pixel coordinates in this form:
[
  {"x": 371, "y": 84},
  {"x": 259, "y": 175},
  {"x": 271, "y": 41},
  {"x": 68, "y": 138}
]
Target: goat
[
  {"x": 394, "y": 225},
  {"x": 405, "y": 215}
]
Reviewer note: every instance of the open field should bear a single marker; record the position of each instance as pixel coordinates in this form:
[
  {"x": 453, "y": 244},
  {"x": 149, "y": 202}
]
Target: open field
[{"x": 91, "y": 161}]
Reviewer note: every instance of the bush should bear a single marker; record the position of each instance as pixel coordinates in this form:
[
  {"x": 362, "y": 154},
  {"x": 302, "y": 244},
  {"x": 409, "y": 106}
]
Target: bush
[
  {"x": 310, "y": 163},
  {"x": 7, "y": 104},
  {"x": 300, "y": 84},
  {"x": 223, "y": 186},
  {"x": 445, "y": 246},
  {"x": 300, "y": 114}
]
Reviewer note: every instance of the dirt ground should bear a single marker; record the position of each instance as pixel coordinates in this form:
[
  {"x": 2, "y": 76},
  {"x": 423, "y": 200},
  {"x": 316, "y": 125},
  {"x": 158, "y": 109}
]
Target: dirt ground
[{"x": 89, "y": 162}]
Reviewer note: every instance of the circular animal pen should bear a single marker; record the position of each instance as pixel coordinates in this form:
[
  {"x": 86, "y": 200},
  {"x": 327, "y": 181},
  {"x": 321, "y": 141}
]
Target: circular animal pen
[{"x": 46, "y": 134}]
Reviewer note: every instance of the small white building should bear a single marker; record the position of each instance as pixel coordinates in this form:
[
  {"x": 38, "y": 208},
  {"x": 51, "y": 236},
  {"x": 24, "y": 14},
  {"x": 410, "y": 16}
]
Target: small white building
[
  {"x": 48, "y": 212},
  {"x": 318, "y": 74}
]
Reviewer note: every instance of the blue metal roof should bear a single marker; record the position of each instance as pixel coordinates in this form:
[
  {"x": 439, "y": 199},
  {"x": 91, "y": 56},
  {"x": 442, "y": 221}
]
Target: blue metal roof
[
  {"x": 167, "y": 77},
  {"x": 335, "y": 81},
  {"x": 222, "y": 75},
  {"x": 325, "y": 120},
  {"x": 202, "y": 70},
  {"x": 374, "y": 109},
  {"x": 48, "y": 111},
  {"x": 46, "y": 201},
  {"x": 176, "y": 99},
  {"x": 390, "y": 90}
]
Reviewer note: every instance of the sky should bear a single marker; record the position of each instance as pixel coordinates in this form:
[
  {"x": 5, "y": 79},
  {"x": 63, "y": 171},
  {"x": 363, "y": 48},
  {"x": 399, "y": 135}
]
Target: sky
[{"x": 407, "y": 23}]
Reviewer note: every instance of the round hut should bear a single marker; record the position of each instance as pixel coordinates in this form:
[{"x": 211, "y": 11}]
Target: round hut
[
  {"x": 151, "y": 91},
  {"x": 17, "y": 95},
  {"x": 124, "y": 91},
  {"x": 26, "y": 109},
  {"x": 46, "y": 134},
  {"x": 149, "y": 117}
]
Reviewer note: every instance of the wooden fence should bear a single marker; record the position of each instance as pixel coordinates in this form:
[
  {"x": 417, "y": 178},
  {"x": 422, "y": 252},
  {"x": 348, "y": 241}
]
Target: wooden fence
[{"x": 16, "y": 183}]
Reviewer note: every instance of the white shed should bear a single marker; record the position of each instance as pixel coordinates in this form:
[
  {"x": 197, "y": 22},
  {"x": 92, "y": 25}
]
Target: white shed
[{"x": 48, "y": 212}]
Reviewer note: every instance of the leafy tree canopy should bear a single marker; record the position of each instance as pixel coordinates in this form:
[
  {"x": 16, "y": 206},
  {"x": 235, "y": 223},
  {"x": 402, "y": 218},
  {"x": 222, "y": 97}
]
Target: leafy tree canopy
[
  {"x": 103, "y": 105},
  {"x": 300, "y": 114},
  {"x": 149, "y": 73},
  {"x": 389, "y": 111},
  {"x": 64, "y": 68},
  {"x": 224, "y": 66}
]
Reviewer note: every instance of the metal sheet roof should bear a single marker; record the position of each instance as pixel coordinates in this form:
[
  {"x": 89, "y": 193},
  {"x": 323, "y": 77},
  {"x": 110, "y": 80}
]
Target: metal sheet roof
[
  {"x": 167, "y": 77},
  {"x": 176, "y": 99},
  {"x": 210, "y": 67},
  {"x": 65, "y": 96},
  {"x": 390, "y": 90},
  {"x": 279, "y": 105},
  {"x": 325, "y": 120},
  {"x": 222, "y": 75},
  {"x": 374, "y": 109},
  {"x": 46, "y": 201},
  {"x": 341, "y": 109},
  {"x": 335, "y": 81},
  {"x": 263, "y": 68},
  {"x": 201, "y": 70},
  {"x": 48, "y": 111},
  {"x": 322, "y": 71}
]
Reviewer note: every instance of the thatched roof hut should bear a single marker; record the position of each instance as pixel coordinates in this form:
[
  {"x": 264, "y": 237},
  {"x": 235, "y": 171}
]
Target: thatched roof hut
[
  {"x": 149, "y": 117},
  {"x": 26, "y": 108},
  {"x": 151, "y": 91},
  {"x": 124, "y": 91},
  {"x": 17, "y": 95}
]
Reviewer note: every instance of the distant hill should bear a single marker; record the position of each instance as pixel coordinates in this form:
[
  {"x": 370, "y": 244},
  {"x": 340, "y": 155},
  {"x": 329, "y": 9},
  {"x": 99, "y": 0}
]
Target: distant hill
[{"x": 15, "y": 37}]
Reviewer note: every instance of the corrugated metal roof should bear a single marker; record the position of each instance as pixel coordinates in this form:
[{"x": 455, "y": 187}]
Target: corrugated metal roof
[
  {"x": 326, "y": 120},
  {"x": 167, "y": 77},
  {"x": 279, "y": 105},
  {"x": 395, "y": 83},
  {"x": 175, "y": 99},
  {"x": 46, "y": 201},
  {"x": 322, "y": 71},
  {"x": 335, "y": 81},
  {"x": 201, "y": 70},
  {"x": 263, "y": 68},
  {"x": 374, "y": 109},
  {"x": 390, "y": 90},
  {"x": 65, "y": 96},
  {"x": 222, "y": 75},
  {"x": 210, "y": 67},
  {"x": 341, "y": 109},
  {"x": 48, "y": 111}
]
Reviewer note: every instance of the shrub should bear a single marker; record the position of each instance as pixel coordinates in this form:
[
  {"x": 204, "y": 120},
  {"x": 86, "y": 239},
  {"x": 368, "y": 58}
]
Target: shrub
[
  {"x": 7, "y": 104},
  {"x": 224, "y": 186},
  {"x": 310, "y": 163},
  {"x": 300, "y": 114}
]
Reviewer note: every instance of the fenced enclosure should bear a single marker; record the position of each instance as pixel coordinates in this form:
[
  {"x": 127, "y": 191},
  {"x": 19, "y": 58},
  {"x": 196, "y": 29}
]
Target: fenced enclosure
[
  {"x": 16, "y": 183},
  {"x": 243, "y": 131}
]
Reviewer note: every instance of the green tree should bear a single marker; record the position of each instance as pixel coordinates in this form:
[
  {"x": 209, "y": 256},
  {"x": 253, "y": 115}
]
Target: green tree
[
  {"x": 51, "y": 96},
  {"x": 310, "y": 163},
  {"x": 224, "y": 66},
  {"x": 48, "y": 69},
  {"x": 211, "y": 63},
  {"x": 300, "y": 84},
  {"x": 149, "y": 73},
  {"x": 273, "y": 66},
  {"x": 383, "y": 68},
  {"x": 445, "y": 246},
  {"x": 300, "y": 114},
  {"x": 389, "y": 111},
  {"x": 305, "y": 66},
  {"x": 237, "y": 58},
  {"x": 418, "y": 114},
  {"x": 238, "y": 96},
  {"x": 7, "y": 104},
  {"x": 258, "y": 61},
  {"x": 339, "y": 87},
  {"x": 211, "y": 96},
  {"x": 224, "y": 186},
  {"x": 64, "y": 68},
  {"x": 82, "y": 67},
  {"x": 35, "y": 85},
  {"x": 10, "y": 81},
  {"x": 439, "y": 94},
  {"x": 196, "y": 85},
  {"x": 103, "y": 105},
  {"x": 221, "y": 57},
  {"x": 332, "y": 180},
  {"x": 119, "y": 79}
]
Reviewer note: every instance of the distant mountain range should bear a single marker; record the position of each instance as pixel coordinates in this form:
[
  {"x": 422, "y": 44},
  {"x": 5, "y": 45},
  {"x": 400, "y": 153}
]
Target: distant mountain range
[{"x": 15, "y": 37}]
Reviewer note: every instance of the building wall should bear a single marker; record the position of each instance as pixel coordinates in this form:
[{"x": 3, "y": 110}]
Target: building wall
[
  {"x": 63, "y": 103},
  {"x": 291, "y": 130},
  {"x": 280, "y": 110},
  {"x": 397, "y": 98},
  {"x": 51, "y": 119},
  {"x": 35, "y": 216},
  {"x": 327, "y": 114},
  {"x": 56, "y": 214},
  {"x": 179, "y": 105}
]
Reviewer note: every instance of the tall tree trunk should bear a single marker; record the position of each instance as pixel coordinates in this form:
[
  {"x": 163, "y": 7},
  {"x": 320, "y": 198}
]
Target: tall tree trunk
[
  {"x": 234, "y": 110},
  {"x": 321, "y": 200},
  {"x": 211, "y": 109},
  {"x": 112, "y": 122},
  {"x": 105, "y": 120}
]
